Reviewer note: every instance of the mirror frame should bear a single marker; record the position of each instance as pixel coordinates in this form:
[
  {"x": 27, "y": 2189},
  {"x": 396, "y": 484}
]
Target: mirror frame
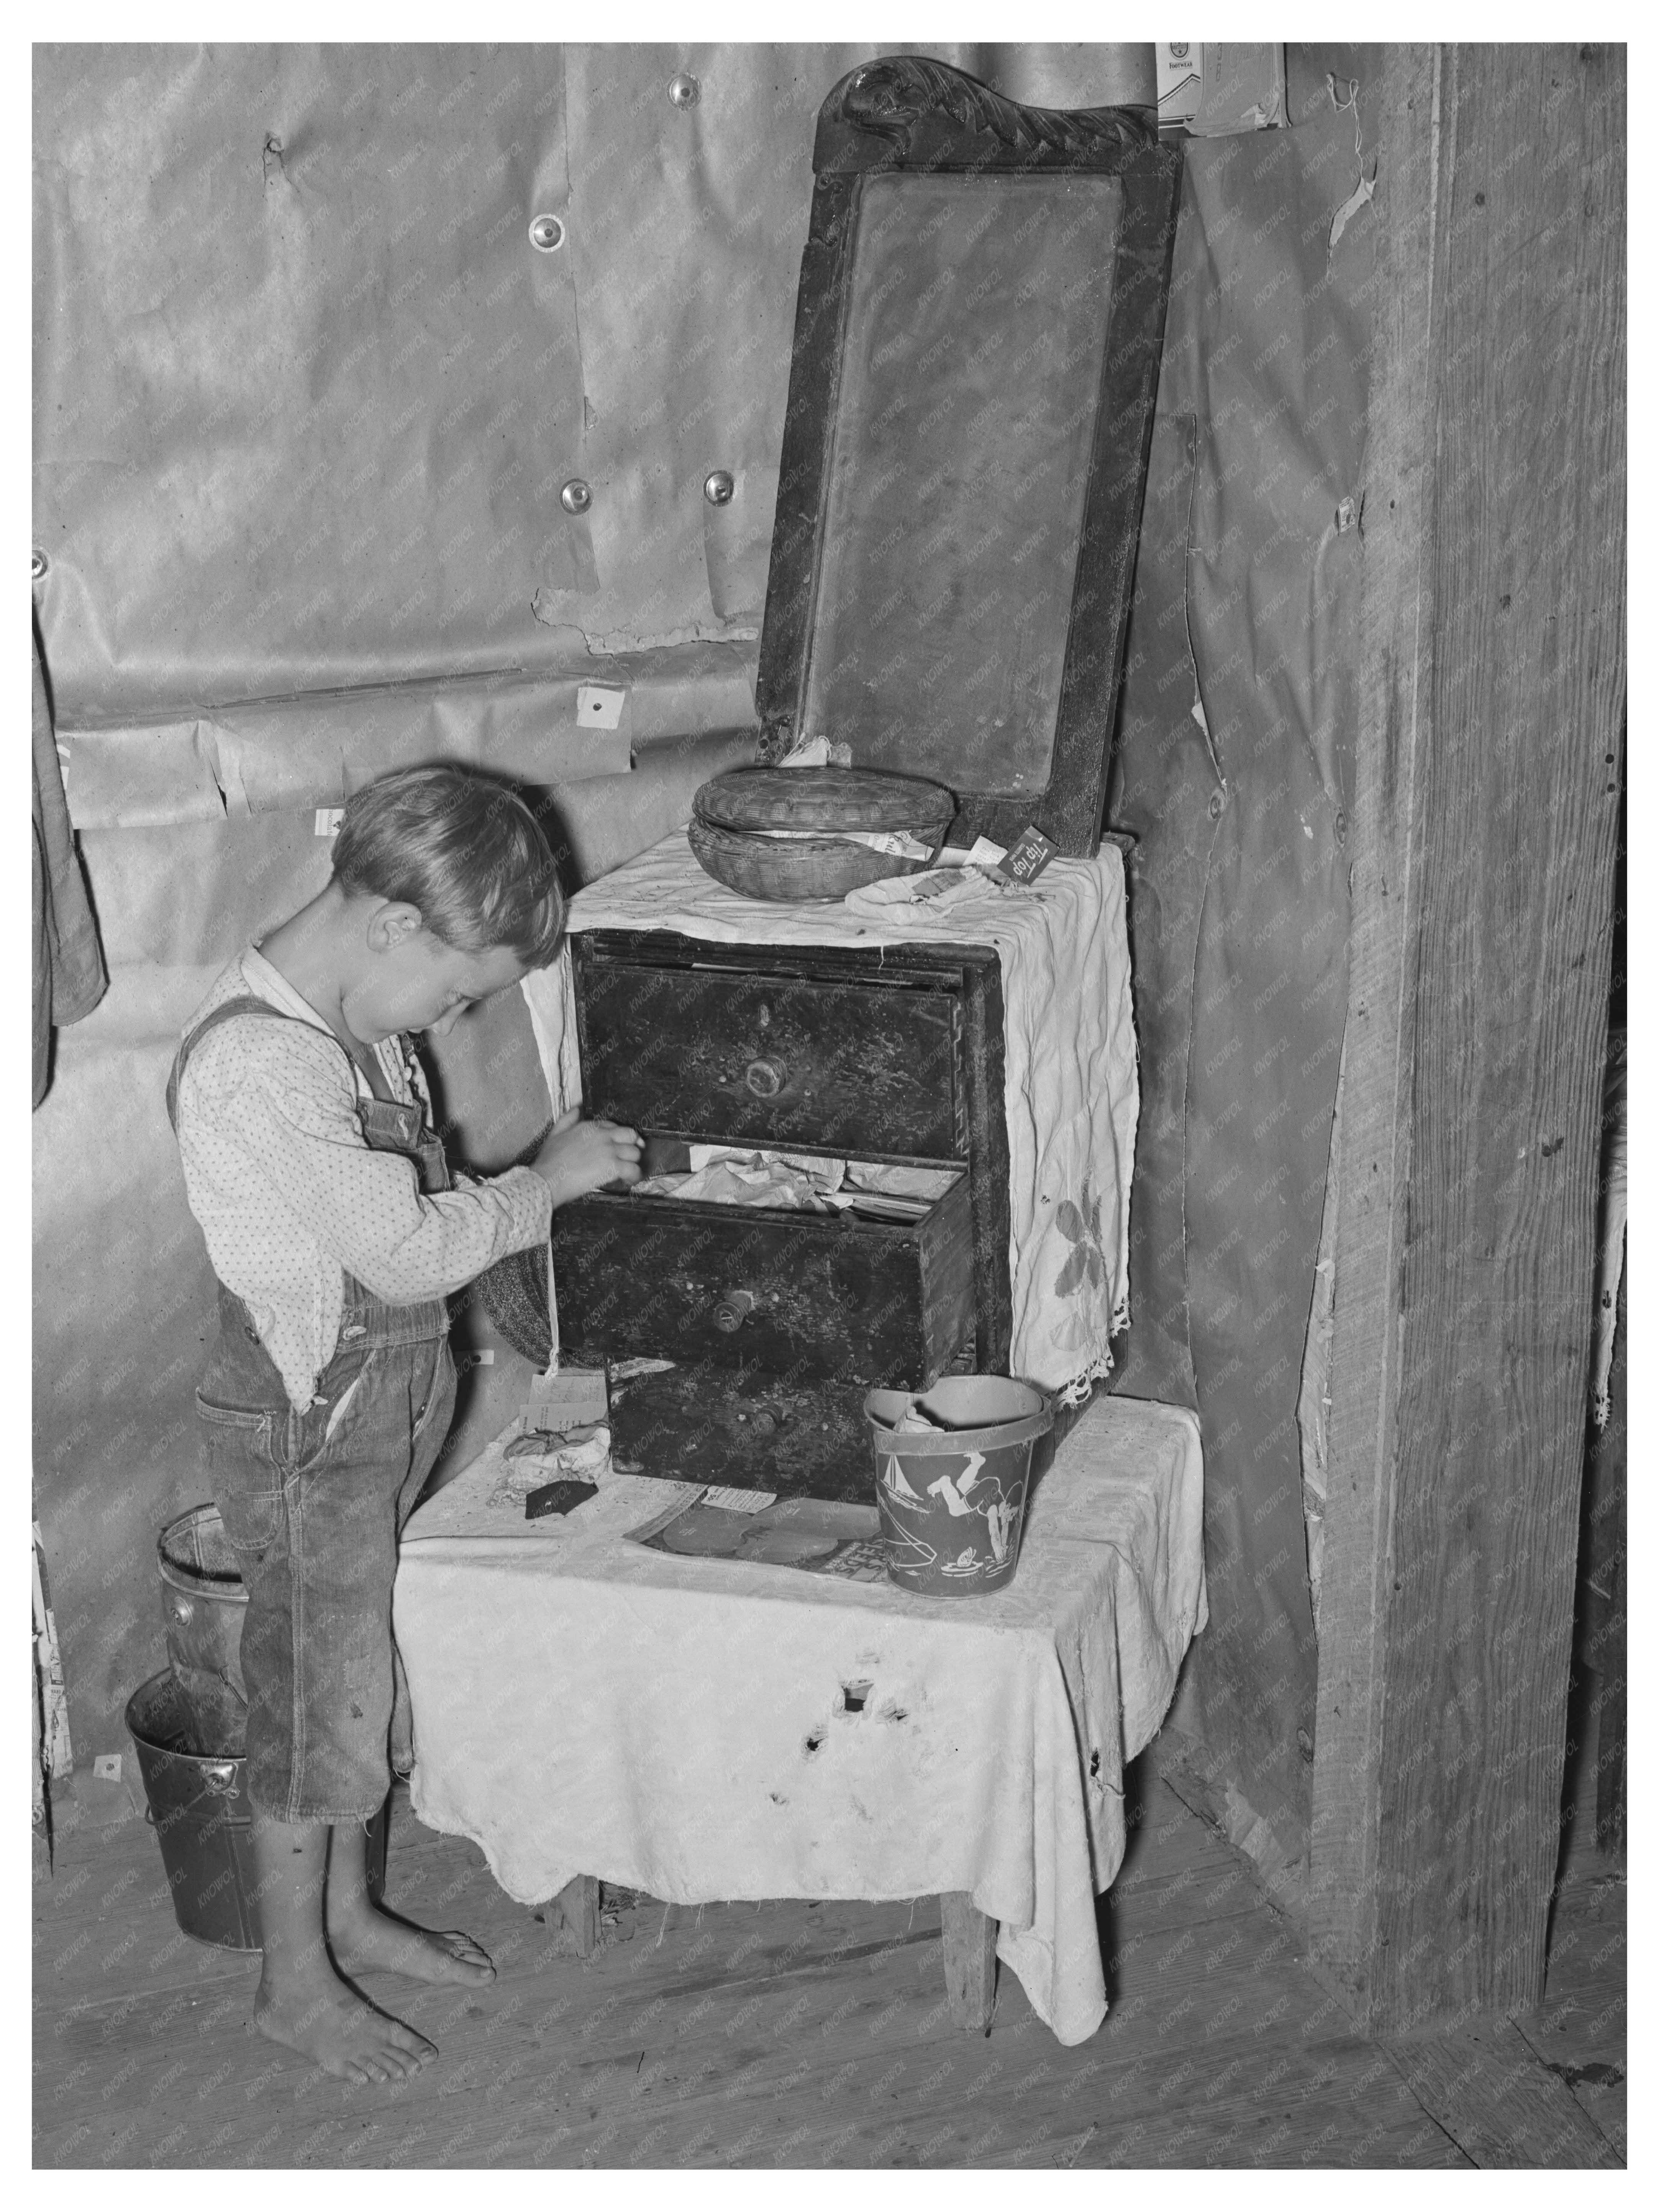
[{"x": 907, "y": 113}]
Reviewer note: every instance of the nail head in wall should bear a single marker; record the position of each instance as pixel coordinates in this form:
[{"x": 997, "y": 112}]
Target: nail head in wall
[
  {"x": 718, "y": 487},
  {"x": 575, "y": 497},
  {"x": 684, "y": 90},
  {"x": 546, "y": 233},
  {"x": 38, "y": 564}
]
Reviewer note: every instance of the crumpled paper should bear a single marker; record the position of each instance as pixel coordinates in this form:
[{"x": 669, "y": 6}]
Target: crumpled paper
[
  {"x": 751, "y": 1179},
  {"x": 587, "y": 1462}
]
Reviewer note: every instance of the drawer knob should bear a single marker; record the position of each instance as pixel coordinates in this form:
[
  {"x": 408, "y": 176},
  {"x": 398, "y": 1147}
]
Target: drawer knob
[
  {"x": 764, "y": 1078},
  {"x": 732, "y": 1310}
]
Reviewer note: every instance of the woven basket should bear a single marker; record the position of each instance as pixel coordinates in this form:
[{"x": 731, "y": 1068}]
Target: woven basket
[
  {"x": 793, "y": 869},
  {"x": 514, "y": 1293},
  {"x": 731, "y": 813}
]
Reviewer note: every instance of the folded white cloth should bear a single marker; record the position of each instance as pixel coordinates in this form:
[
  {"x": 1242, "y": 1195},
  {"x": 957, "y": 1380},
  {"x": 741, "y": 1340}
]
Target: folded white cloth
[{"x": 1069, "y": 1085}]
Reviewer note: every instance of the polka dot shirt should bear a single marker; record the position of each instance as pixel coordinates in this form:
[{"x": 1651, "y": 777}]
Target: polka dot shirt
[{"x": 289, "y": 1195}]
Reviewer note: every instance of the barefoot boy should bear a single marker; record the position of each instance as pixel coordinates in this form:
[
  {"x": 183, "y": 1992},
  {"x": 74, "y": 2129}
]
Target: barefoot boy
[{"x": 305, "y": 1131}]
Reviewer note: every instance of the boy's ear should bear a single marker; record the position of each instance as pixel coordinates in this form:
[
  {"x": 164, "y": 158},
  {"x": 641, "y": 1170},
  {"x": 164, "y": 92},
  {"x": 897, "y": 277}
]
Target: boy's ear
[{"x": 391, "y": 923}]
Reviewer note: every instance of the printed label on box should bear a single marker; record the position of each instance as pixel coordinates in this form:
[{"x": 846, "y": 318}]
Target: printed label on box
[
  {"x": 1028, "y": 855},
  {"x": 1180, "y": 81}
]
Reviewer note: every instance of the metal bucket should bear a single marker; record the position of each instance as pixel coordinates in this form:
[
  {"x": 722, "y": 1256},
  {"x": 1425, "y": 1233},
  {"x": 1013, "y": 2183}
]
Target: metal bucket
[
  {"x": 952, "y": 1499},
  {"x": 203, "y": 1820},
  {"x": 202, "y": 1605}
]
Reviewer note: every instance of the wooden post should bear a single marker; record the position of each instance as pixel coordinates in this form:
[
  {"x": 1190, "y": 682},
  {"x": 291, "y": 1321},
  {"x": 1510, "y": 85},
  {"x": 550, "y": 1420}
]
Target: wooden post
[
  {"x": 970, "y": 1961},
  {"x": 573, "y": 1916},
  {"x": 1491, "y": 685}
]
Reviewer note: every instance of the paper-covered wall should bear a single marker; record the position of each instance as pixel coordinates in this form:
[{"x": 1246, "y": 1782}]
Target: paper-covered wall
[
  {"x": 306, "y": 395},
  {"x": 311, "y": 402}
]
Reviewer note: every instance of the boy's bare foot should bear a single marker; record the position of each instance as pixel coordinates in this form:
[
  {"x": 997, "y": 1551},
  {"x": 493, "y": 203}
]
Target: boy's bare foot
[
  {"x": 376, "y": 1941},
  {"x": 325, "y": 2021}
]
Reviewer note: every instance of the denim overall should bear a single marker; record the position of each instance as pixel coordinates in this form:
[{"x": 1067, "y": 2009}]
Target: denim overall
[{"x": 313, "y": 1504}]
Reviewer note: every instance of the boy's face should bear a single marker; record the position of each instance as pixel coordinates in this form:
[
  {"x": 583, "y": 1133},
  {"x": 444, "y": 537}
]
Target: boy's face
[{"x": 413, "y": 980}]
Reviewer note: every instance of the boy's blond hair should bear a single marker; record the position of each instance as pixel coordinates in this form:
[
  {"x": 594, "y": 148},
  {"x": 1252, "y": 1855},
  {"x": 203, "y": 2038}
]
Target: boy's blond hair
[{"x": 466, "y": 851}]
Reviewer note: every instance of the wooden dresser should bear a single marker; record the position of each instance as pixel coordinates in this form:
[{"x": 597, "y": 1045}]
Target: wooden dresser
[{"x": 777, "y": 1321}]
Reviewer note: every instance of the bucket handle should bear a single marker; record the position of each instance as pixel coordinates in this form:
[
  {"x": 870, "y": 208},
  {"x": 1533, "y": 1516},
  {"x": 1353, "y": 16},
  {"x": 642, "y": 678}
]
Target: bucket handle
[{"x": 220, "y": 1780}]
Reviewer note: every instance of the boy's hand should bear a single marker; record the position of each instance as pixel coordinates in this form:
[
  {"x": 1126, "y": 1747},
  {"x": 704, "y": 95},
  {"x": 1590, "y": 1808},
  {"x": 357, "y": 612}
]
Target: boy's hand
[{"x": 577, "y": 1156}]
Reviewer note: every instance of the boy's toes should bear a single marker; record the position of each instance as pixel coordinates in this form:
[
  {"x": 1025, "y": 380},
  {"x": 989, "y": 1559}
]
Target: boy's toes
[
  {"x": 353, "y": 2041},
  {"x": 466, "y": 1953},
  {"x": 400, "y": 2056}
]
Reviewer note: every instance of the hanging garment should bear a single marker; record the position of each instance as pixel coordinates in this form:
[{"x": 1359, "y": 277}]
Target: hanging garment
[{"x": 70, "y": 978}]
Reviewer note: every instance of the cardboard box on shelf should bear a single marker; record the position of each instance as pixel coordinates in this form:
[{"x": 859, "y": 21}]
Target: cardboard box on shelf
[{"x": 1210, "y": 91}]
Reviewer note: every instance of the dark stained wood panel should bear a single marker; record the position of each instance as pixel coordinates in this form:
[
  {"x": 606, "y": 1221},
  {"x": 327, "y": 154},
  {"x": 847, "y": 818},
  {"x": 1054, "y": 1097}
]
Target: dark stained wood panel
[
  {"x": 832, "y": 1295},
  {"x": 746, "y": 1429},
  {"x": 770, "y": 1059},
  {"x": 968, "y": 976}
]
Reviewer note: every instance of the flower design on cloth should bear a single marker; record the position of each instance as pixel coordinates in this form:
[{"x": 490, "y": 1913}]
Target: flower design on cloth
[{"x": 1081, "y": 1230}]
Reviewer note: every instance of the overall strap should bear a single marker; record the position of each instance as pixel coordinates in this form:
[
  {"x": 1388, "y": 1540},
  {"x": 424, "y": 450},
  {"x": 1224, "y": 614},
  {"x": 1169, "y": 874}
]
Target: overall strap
[
  {"x": 230, "y": 1011},
  {"x": 388, "y": 1126}
]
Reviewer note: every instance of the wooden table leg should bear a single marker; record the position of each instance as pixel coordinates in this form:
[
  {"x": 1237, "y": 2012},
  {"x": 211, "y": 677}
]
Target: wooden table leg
[
  {"x": 970, "y": 1961},
  {"x": 573, "y": 1916}
]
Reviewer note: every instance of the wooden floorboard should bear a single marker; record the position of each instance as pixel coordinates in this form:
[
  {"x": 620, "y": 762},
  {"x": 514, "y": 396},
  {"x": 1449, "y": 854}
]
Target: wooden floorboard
[
  {"x": 1488, "y": 2091},
  {"x": 780, "y": 2035}
]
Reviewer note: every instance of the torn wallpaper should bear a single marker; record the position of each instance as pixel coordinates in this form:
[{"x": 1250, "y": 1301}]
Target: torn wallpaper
[{"x": 1234, "y": 767}]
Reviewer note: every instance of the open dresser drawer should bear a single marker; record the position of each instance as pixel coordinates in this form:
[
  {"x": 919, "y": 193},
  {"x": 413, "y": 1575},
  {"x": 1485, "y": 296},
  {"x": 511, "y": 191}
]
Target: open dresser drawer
[{"x": 811, "y": 1294}]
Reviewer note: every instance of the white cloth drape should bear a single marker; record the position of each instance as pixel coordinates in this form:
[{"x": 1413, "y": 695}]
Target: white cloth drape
[{"x": 585, "y": 1705}]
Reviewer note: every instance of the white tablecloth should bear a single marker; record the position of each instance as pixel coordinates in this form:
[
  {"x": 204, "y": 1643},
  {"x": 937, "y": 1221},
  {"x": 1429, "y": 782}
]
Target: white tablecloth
[
  {"x": 1069, "y": 1083},
  {"x": 584, "y": 1705}
]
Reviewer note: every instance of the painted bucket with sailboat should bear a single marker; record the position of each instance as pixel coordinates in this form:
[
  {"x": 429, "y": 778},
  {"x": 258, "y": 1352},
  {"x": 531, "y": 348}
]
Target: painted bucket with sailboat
[{"x": 952, "y": 1466}]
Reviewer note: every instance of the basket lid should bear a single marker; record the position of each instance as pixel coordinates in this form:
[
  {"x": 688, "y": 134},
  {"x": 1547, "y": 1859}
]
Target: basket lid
[
  {"x": 977, "y": 337},
  {"x": 828, "y": 798}
]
